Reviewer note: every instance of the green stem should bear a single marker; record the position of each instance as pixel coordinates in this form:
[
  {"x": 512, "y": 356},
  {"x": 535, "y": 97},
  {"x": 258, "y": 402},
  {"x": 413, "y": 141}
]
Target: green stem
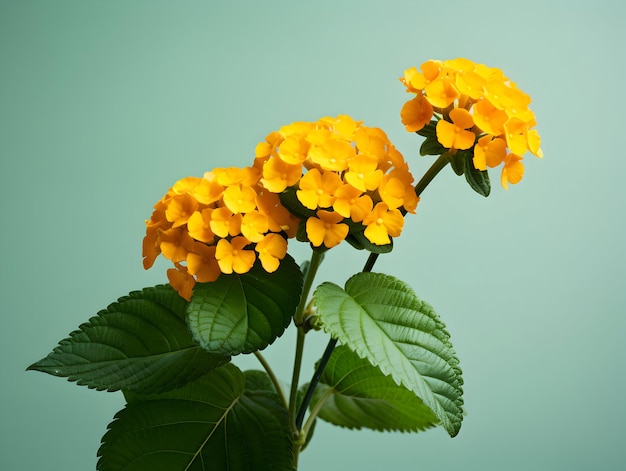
[
  {"x": 314, "y": 381},
  {"x": 314, "y": 264},
  {"x": 318, "y": 406},
  {"x": 273, "y": 378},
  {"x": 297, "y": 364},
  {"x": 435, "y": 168}
]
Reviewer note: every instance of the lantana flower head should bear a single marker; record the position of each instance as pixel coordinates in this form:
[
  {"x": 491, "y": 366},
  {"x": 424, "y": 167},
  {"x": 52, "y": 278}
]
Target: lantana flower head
[
  {"x": 473, "y": 108},
  {"x": 339, "y": 173},
  {"x": 220, "y": 223}
]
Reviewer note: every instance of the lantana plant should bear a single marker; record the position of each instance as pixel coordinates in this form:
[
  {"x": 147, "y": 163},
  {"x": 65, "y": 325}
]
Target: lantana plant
[{"x": 234, "y": 288}]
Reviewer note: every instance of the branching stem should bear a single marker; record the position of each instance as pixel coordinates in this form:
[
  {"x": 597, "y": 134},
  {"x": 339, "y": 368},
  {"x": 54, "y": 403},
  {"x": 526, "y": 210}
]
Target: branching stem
[
  {"x": 296, "y": 420},
  {"x": 430, "y": 174}
]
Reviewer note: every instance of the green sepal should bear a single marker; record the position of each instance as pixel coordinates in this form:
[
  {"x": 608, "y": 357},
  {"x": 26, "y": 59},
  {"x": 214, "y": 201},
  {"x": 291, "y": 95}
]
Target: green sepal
[
  {"x": 139, "y": 343},
  {"x": 430, "y": 130},
  {"x": 358, "y": 240},
  {"x": 381, "y": 319},
  {"x": 358, "y": 395},
  {"x": 243, "y": 313},
  {"x": 289, "y": 199},
  {"x": 457, "y": 162},
  {"x": 431, "y": 146},
  {"x": 301, "y": 234},
  {"x": 224, "y": 420},
  {"x": 478, "y": 179}
]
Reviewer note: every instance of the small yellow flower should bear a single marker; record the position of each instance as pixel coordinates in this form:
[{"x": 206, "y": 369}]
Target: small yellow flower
[
  {"x": 416, "y": 113},
  {"x": 489, "y": 152},
  {"x": 202, "y": 264},
  {"x": 232, "y": 257},
  {"x": 207, "y": 191},
  {"x": 293, "y": 150},
  {"x": 254, "y": 225},
  {"x": 454, "y": 135},
  {"x": 489, "y": 118},
  {"x": 240, "y": 199},
  {"x": 199, "y": 226},
  {"x": 344, "y": 126},
  {"x": 175, "y": 244},
  {"x": 181, "y": 281},
  {"x": 278, "y": 217},
  {"x": 352, "y": 203},
  {"x": 372, "y": 141},
  {"x": 264, "y": 150},
  {"x": 512, "y": 170},
  {"x": 441, "y": 93},
  {"x": 392, "y": 191},
  {"x": 382, "y": 223},
  {"x": 534, "y": 142},
  {"x": 180, "y": 208},
  {"x": 224, "y": 223},
  {"x": 332, "y": 155},
  {"x": 515, "y": 131},
  {"x": 416, "y": 81},
  {"x": 278, "y": 175},
  {"x": 317, "y": 189},
  {"x": 326, "y": 229},
  {"x": 504, "y": 96},
  {"x": 272, "y": 249},
  {"x": 363, "y": 173},
  {"x": 151, "y": 242},
  {"x": 470, "y": 84}
]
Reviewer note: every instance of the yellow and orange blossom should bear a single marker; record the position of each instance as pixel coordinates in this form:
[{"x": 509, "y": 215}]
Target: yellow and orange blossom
[
  {"x": 217, "y": 224},
  {"x": 477, "y": 108},
  {"x": 340, "y": 170}
]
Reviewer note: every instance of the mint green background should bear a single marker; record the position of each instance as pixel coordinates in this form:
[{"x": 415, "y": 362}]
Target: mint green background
[{"x": 104, "y": 104}]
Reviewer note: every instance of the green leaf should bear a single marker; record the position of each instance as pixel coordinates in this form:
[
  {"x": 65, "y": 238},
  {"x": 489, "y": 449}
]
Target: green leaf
[
  {"x": 215, "y": 422},
  {"x": 245, "y": 313},
  {"x": 381, "y": 319},
  {"x": 458, "y": 163},
  {"x": 357, "y": 394},
  {"x": 139, "y": 343},
  {"x": 257, "y": 380},
  {"x": 477, "y": 179},
  {"x": 431, "y": 146}
]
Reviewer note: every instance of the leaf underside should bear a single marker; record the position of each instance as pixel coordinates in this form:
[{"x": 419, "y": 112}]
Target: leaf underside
[{"x": 381, "y": 319}]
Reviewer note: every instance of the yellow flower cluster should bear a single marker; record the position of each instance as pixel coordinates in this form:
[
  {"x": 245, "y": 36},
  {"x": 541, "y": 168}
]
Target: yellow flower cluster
[
  {"x": 477, "y": 108},
  {"x": 347, "y": 176},
  {"x": 220, "y": 223}
]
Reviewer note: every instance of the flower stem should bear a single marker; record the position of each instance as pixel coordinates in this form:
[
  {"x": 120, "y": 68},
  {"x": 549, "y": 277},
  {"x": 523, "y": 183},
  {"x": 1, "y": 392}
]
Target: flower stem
[
  {"x": 435, "y": 168},
  {"x": 314, "y": 381},
  {"x": 317, "y": 374},
  {"x": 314, "y": 264},
  {"x": 270, "y": 373}
]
